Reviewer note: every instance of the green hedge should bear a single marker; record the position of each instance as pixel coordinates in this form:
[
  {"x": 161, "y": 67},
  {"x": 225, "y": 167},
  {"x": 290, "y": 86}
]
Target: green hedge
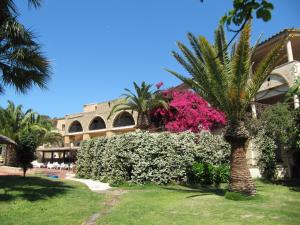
[{"x": 143, "y": 157}]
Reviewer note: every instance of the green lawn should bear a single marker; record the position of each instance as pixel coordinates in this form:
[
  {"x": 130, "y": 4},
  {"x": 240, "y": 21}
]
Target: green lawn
[
  {"x": 37, "y": 200},
  {"x": 275, "y": 204}
]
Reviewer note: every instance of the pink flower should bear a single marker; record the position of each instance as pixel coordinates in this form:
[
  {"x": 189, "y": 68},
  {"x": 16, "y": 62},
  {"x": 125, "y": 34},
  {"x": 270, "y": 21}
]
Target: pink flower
[
  {"x": 158, "y": 85},
  {"x": 188, "y": 111}
]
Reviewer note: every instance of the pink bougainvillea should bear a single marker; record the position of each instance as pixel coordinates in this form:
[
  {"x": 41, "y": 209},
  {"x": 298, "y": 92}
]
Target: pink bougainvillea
[
  {"x": 187, "y": 111},
  {"x": 158, "y": 85}
]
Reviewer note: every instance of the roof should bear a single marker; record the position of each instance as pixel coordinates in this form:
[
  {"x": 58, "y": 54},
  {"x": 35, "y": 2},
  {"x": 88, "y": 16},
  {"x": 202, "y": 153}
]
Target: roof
[
  {"x": 6, "y": 140},
  {"x": 284, "y": 31}
]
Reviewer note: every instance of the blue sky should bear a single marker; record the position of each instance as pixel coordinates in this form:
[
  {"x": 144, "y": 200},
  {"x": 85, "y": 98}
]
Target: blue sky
[{"x": 98, "y": 48}]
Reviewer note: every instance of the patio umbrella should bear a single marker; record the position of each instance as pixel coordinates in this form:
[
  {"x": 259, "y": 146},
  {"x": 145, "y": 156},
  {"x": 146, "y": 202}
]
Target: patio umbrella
[{"x": 5, "y": 140}]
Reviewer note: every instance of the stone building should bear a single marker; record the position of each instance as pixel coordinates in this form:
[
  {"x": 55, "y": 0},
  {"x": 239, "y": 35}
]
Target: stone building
[{"x": 94, "y": 122}]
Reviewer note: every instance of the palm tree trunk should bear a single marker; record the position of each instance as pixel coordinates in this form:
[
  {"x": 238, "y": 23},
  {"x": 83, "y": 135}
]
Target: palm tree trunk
[
  {"x": 240, "y": 177},
  {"x": 143, "y": 120}
]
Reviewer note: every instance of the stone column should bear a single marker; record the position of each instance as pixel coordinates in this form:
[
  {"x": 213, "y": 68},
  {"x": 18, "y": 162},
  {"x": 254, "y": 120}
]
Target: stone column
[
  {"x": 296, "y": 75},
  {"x": 86, "y": 137},
  {"x": 67, "y": 140},
  {"x": 253, "y": 109},
  {"x": 296, "y": 102},
  {"x": 289, "y": 51}
]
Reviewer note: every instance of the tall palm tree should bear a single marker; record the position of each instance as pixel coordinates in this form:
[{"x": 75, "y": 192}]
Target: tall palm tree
[
  {"x": 226, "y": 80},
  {"x": 142, "y": 102},
  {"x": 22, "y": 63}
]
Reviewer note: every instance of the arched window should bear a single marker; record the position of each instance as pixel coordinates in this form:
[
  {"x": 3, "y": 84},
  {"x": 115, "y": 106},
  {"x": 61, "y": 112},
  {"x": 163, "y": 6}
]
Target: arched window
[
  {"x": 75, "y": 127},
  {"x": 97, "y": 124},
  {"x": 123, "y": 119}
]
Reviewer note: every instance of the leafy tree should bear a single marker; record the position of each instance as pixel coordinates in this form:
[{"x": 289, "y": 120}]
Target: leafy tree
[
  {"x": 142, "y": 101},
  {"x": 22, "y": 63},
  {"x": 279, "y": 124},
  {"x": 187, "y": 111},
  {"x": 243, "y": 11},
  {"x": 297, "y": 121},
  {"x": 229, "y": 83},
  {"x": 266, "y": 149},
  {"x": 27, "y": 144}
]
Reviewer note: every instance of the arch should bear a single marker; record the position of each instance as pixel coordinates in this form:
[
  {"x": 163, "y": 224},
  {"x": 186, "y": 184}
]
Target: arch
[
  {"x": 97, "y": 124},
  {"x": 123, "y": 119},
  {"x": 75, "y": 127},
  {"x": 279, "y": 77}
]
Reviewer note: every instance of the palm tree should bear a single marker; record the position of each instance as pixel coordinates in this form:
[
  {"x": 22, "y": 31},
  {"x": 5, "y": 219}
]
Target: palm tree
[
  {"x": 226, "y": 80},
  {"x": 13, "y": 121},
  {"x": 22, "y": 63},
  {"x": 142, "y": 102},
  {"x": 8, "y": 8}
]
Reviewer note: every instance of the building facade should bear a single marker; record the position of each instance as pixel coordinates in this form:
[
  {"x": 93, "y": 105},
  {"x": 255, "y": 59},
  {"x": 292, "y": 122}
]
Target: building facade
[{"x": 94, "y": 122}]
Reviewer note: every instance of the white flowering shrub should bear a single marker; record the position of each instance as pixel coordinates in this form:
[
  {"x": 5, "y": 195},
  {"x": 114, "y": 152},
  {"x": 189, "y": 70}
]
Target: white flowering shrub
[
  {"x": 212, "y": 149},
  {"x": 143, "y": 157}
]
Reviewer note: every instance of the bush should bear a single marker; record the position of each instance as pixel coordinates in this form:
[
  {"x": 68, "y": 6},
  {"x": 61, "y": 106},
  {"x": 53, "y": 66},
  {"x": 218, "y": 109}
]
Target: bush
[
  {"x": 143, "y": 157},
  {"x": 266, "y": 161},
  {"x": 205, "y": 173}
]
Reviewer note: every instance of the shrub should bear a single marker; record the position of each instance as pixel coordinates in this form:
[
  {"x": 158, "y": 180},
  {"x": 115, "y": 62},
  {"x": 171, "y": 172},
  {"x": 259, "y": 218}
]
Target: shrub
[
  {"x": 266, "y": 161},
  {"x": 221, "y": 174},
  {"x": 205, "y": 173},
  {"x": 143, "y": 157}
]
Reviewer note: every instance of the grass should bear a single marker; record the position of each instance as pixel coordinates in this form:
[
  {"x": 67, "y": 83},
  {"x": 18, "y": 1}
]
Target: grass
[
  {"x": 153, "y": 205},
  {"x": 38, "y": 200}
]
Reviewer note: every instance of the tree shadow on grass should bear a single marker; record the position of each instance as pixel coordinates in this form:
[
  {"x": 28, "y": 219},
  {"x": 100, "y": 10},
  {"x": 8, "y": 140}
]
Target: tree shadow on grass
[
  {"x": 197, "y": 191},
  {"x": 292, "y": 184},
  {"x": 30, "y": 188}
]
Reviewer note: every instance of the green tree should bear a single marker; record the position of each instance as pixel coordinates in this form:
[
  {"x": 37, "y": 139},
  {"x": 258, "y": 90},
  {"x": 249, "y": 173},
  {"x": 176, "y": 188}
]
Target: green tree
[
  {"x": 27, "y": 144},
  {"x": 227, "y": 82},
  {"x": 22, "y": 63},
  {"x": 142, "y": 101},
  {"x": 242, "y": 12},
  {"x": 279, "y": 124}
]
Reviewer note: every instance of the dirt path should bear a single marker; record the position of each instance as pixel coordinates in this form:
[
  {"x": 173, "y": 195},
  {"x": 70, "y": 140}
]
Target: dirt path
[{"x": 112, "y": 199}]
